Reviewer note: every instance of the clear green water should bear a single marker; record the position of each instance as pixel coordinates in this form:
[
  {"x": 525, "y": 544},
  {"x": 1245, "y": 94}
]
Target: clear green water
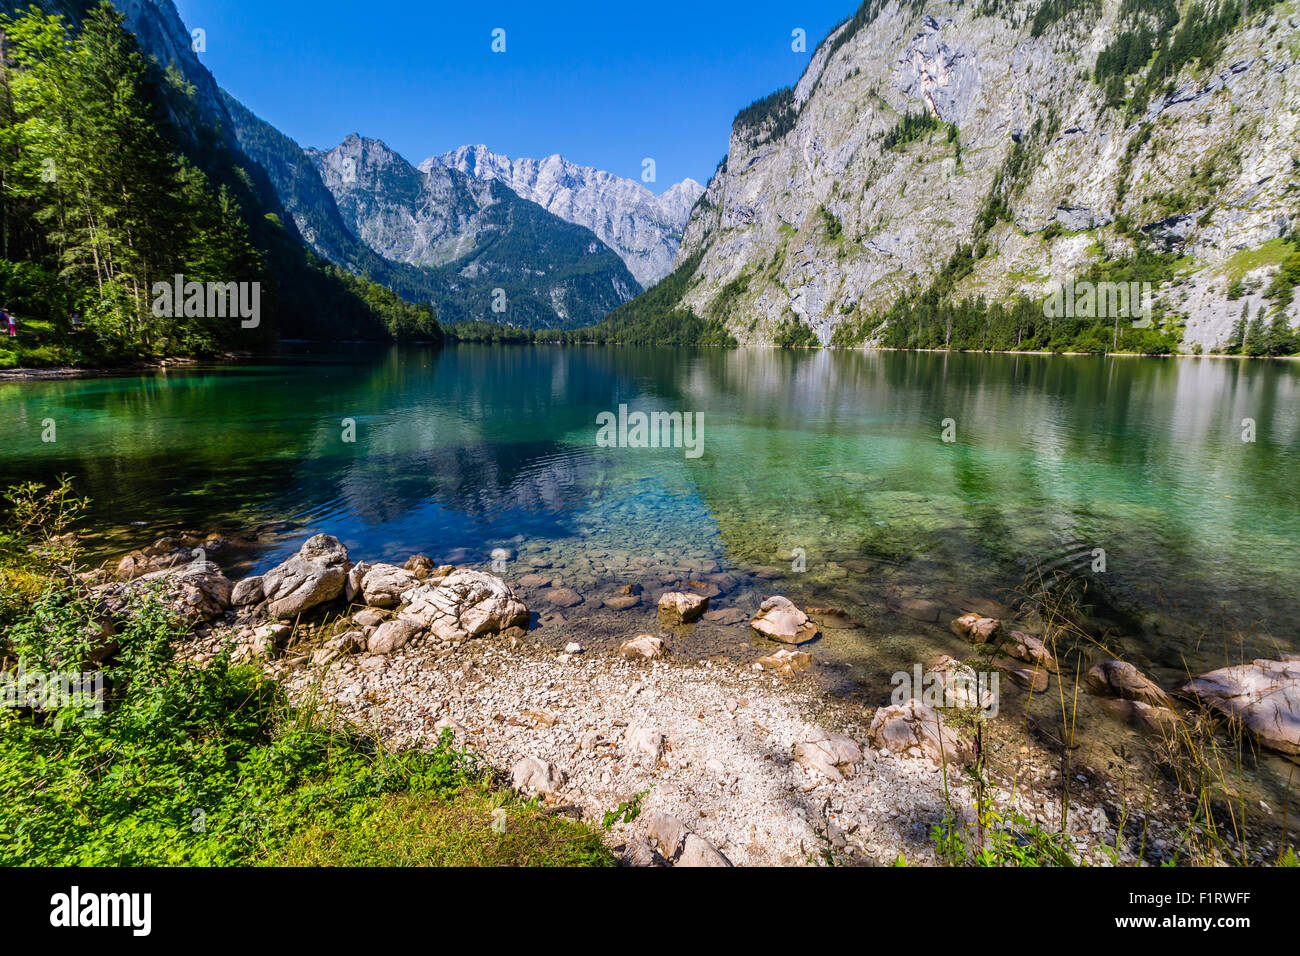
[{"x": 839, "y": 454}]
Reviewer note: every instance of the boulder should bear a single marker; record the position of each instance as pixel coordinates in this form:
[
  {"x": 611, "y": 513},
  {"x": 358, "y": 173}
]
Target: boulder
[
  {"x": 646, "y": 740},
  {"x": 918, "y": 609},
  {"x": 313, "y": 576},
  {"x": 899, "y": 727},
  {"x": 1264, "y": 696},
  {"x": 786, "y": 662},
  {"x": 419, "y": 564},
  {"x": 370, "y": 617},
  {"x": 356, "y": 575},
  {"x": 976, "y": 629},
  {"x": 643, "y": 647},
  {"x": 677, "y": 844},
  {"x": 833, "y": 755},
  {"x": 564, "y": 597},
  {"x": 270, "y": 637},
  {"x": 1152, "y": 720},
  {"x": 392, "y": 635},
  {"x": 779, "y": 620},
  {"x": 466, "y": 604},
  {"x": 1121, "y": 679},
  {"x": 532, "y": 775},
  {"x": 1030, "y": 649},
  {"x": 248, "y": 591},
  {"x": 697, "y": 851},
  {"x": 384, "y": 585},
  {"x": 198, "y": 591},
  {"x": 682, "y": 607}
]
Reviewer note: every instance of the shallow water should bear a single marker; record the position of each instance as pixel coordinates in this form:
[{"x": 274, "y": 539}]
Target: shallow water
[{"x": 840, "y": 455}]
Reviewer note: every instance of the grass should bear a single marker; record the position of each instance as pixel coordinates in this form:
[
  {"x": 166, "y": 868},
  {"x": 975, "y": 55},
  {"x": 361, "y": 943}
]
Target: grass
[
  {"x": 456, "y": 830},
  {"x": 1274, "y": 253}
]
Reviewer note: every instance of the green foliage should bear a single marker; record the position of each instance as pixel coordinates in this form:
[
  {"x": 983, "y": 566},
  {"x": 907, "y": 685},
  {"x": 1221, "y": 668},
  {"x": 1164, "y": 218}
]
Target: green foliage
[
  {"x": 911, "y": 127},
  {"x": 110, "y": 181},
  {"x": 489, "y": 332},
  {"x": 1016, "y": 841},
  {"x": 1052, "y": 11},
  {"x": 625, "y": 812},
  {"x": 937, "y": 319},
  {"x": 834, "y": 228},
  {"x": 95, "y": 195},
  {"x": 793, "y": 334},
  {"x": 207, "y": 764},
  {"x": 656, "y": 317},
  {"x": 769, "y": 118},
  {"x": 1155, "y": 44}
]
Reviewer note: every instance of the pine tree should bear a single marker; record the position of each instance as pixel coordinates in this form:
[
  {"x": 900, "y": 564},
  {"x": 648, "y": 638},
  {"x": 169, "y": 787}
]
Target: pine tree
[
  {"x": 1256, "y": 342},
  {"x": 1238, "y": 336},
  {"x": 1280, "y": 340}
]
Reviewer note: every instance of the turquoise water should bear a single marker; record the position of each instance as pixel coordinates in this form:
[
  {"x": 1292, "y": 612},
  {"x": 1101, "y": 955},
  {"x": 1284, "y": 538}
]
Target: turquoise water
[{"x": 840, "y": 455}]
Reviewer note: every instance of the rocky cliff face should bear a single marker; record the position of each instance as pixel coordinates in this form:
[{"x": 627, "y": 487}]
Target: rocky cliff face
[
  {"x": 825, "y": 209},
  {"x": 644, "y": 229}
]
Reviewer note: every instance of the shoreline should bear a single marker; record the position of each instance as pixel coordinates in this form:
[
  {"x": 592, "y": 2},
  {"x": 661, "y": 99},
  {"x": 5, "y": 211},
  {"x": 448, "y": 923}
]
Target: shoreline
[
  {"x": 750, "y": 754},
  {"x": 68, "y": 372},
  {"x": 60, "y": 372}
]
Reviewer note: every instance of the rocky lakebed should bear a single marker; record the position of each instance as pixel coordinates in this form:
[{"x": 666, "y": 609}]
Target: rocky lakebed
[{"x": 689, "y": 757}]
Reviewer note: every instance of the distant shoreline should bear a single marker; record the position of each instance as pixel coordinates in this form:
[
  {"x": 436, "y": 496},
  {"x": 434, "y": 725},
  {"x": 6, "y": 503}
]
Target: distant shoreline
[{"x": 61, "y": 372}]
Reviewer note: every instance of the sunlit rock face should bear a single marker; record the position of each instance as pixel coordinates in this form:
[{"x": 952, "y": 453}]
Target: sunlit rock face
[
  {"x": 643, "y": 228},
  {"x": 814, "y": 216}
]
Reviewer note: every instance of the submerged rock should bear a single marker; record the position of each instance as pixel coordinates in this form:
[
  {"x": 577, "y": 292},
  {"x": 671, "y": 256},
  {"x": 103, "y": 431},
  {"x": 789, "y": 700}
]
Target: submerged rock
[
  {"x": 919, "y": 609},
  {"x": 682, "y": 607},
  {"x": 643, "y": 647},
  {"x": 786, "y": 662},
  {"x": 726, "y": 616},
  {"x": 1121, "y": 679},
  {"x": 1263, "y": 695}
]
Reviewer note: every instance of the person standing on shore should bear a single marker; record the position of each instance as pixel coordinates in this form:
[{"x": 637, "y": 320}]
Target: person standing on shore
[
  {"x": 74, "y": 321},
  {"x": 11, "y": 322}
]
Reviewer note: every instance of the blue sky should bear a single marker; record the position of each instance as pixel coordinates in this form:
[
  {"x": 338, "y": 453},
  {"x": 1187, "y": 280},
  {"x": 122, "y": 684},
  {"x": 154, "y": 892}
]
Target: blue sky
[{"x": 606, "y": 83}]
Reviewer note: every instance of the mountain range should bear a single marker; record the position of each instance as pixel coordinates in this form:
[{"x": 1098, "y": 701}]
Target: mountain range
[
  {"x": 931, "y": 152},
  {"x": 563, "y": 255},
  {"x": 643, "y": 228}
]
